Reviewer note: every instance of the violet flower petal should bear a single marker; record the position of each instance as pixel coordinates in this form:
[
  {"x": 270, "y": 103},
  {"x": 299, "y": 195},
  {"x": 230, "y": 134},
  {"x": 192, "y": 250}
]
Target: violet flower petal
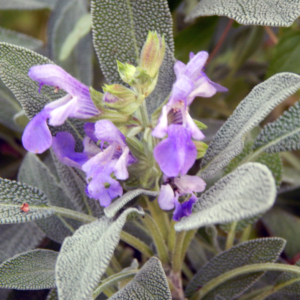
[
  {"x": 179, "y": 68},
  {"x": 195, "y": 65},
  {"x": 37, "y": 137},
  {"x": 161, "y": 128},
  {"x": 63, "y": 146},
  {"x": 192, "y": 127},
  {"x": 89, "y": 146},
  {"x": 166, "y": 198},
  {"x": 89, "y": 129},
  {"x": 177, "y": 153},
  {"x": 190, "y": 184},
  {"x": 181, "y": 89},
  {"x": 120, "y": 168},
  {"x": 184, "y": 209}
]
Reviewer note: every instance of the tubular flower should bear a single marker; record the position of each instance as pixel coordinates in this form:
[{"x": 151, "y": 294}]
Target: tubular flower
[
  {"x": 77, "y": 103},
  {"x": 99, "y": 164},
  {"x": 173, "y": 188}
]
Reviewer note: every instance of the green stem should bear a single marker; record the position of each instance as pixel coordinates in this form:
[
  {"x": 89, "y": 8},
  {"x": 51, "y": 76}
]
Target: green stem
[
  {"x": 115, "y": 264},
  {"x": 177, "y": 253},
  {"x": 158, "y": 239},
  {"x": 172, "y": 236},
  {"x": 187, "y": 241},
  {"x": 66, "y": 223},
  {"x": 275, "y": 289},
  {"x": 136, "y": 243},
  {"x": 246, "y": 234},
  {"x": 241, "y": 271},
  {"x": 113, "y": 280},
  {"x": 143, "y": 113},
  {"x": 254, "y": 293},
  {"x": 231, "y": 235},
  {"x": 73, "y": 214},
  {"x": 186, "y": 271}
]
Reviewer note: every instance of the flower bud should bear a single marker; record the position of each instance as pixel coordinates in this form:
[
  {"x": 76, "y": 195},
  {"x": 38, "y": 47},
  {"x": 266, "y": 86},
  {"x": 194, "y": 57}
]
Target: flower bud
[
  {"x": 153, "y": 53},
  {"x": 126, "y": 71},
  {"x": 201, "y": 148}
]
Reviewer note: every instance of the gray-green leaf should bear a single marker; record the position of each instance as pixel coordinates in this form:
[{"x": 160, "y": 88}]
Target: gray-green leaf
[
  {"x": 246, "y": 192},
  {"x": 13, "y": 194},
  {"x": 149, "y": 283},
  {"x": 228, "y": 142},
  {"x": 251, "y": 252},
  {"x": 85, "y": 256},
  {"x": 32, "y": 270},
  {"x": 114, "y": 207},
  {"x": 251, "y": 12}
]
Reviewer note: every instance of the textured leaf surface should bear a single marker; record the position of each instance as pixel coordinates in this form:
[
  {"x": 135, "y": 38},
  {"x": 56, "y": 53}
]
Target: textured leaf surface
[
  {"x": 85, "y": 256},
  {"x": 14, "y": 65},
  {"x": 9, "y": 107},
  {"x": 228, "y": 142},
  {"x": 61, "y": 23},
  {"x": 33, "y": 172},
  {"x": 149, "y": 283},
  {"x": 27, "y": 4},
  {"x": 13, "y": 194},
  {"x": 246, "y": 192},
  {"x": 283, "y": 224},
  {"x": 283, "y": 134},
  {"x": 251, "y": 252},
  {"x": 114, "y": 207},
  {"x": 32, "y": 270},
  {"x": 17, "y": 238},
  {"x": 120, "y": 29},
  {"x": 251, "y": 12}
]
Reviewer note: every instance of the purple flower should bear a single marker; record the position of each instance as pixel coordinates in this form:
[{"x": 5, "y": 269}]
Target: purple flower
[
  {"x": 173, "y": 188},
  {"x": 77, "y": 103},
  {"x": 177, "y": 153},
  {"x": 98, "y": 163}
]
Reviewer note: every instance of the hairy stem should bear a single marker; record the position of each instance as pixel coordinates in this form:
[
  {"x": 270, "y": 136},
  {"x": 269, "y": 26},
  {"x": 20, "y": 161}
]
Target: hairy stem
[{"x": 64, "y": 212}]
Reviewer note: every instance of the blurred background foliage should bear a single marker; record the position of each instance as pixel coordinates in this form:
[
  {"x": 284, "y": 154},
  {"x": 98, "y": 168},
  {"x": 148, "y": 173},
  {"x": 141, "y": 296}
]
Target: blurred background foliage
[{"x": 240, "y": 58}]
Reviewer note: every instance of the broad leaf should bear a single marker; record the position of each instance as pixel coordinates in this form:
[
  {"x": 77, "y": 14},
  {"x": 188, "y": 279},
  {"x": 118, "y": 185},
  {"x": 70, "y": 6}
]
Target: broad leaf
[
  {"x": 228, "y": 142},
  {"x": 244, "y": 193},
  {"x": 251, "y": 12},
  {"x": 33, "y": 172},
  {"x": 85, "y": 256},
  {"x": 14, "y": 65},
  {"x": 19, "y": 39},
  {"x": 284, "y": 58},
  {"x": 62, "y": 22},
  {"x": 114, "y": 207},
  {"x": 283, "y": 224},
  {"x": 17, "y": 238},
  {"x": 251, "y": 252},
  {"x": 12, "y": 196},
  {"x": 149, "y": 283},
  {"x": 32, "y": 270},
  {"x": 281, "y": 135},
  {"x": 120, "y": 29},
  {"x": 27, "y": 4}
]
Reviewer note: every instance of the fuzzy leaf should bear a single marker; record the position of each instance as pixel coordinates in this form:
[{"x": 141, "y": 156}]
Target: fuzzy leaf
[
  {"x": 228, "y": 142},
  {"x": 13, "y": 194},
  {"x": 62, "y": 22},
  {"x": 85, "y": 256},
  {"x": 120, "y": 29},
  {"x": 246, "y": 192},
  {"x": 255, "y": 251},
  {"x": 14, "y": 65},
  {"x": 33, "y": 172},
  {"x": 17, "y": 238},
  {"x": 149, "y": 283},
  {"x": 251, "y": 12},
  {"x": 32, "y": 270},
  {"x": 114, "y": 207},
  {"x": 27, "y": 4},
  {"x": 281, "y": 135}
]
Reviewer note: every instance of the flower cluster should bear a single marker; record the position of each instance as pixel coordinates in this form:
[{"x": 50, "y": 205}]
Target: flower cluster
[{"x": 106, "y": 155}]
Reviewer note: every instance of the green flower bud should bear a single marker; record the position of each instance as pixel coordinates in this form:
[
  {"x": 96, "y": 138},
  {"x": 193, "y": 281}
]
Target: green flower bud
[
  {"x": 201, "y": 148},
  {"x": 126, "y": 71}
]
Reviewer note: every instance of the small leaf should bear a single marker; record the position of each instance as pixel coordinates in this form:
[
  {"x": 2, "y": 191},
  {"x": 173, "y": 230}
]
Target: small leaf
[
  {"x": 246, "y": 192},
  {"x": 33, "y": 172},
  {"x": 13, "y": 194},
  {"x": 228, "y": 142},
  {"x": 62, "y": 23},
  {"x": 27, "y": 4},
  {"x": 252, "y": 12},
  {"x": 19, "y": 39},
  {"x": 32, "y": 270},
  {"x": 15, "y": 63},
  {"x": 85, "y": 256},
  {"x": 281, "y": 135},
  {"x": 114, "y": 207},
  {"x": 17, "y": 238},
  {"x": 122, "y": 37},
  {"x": 149, "y": 283},
  {"x": 255, "y": 251}
]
